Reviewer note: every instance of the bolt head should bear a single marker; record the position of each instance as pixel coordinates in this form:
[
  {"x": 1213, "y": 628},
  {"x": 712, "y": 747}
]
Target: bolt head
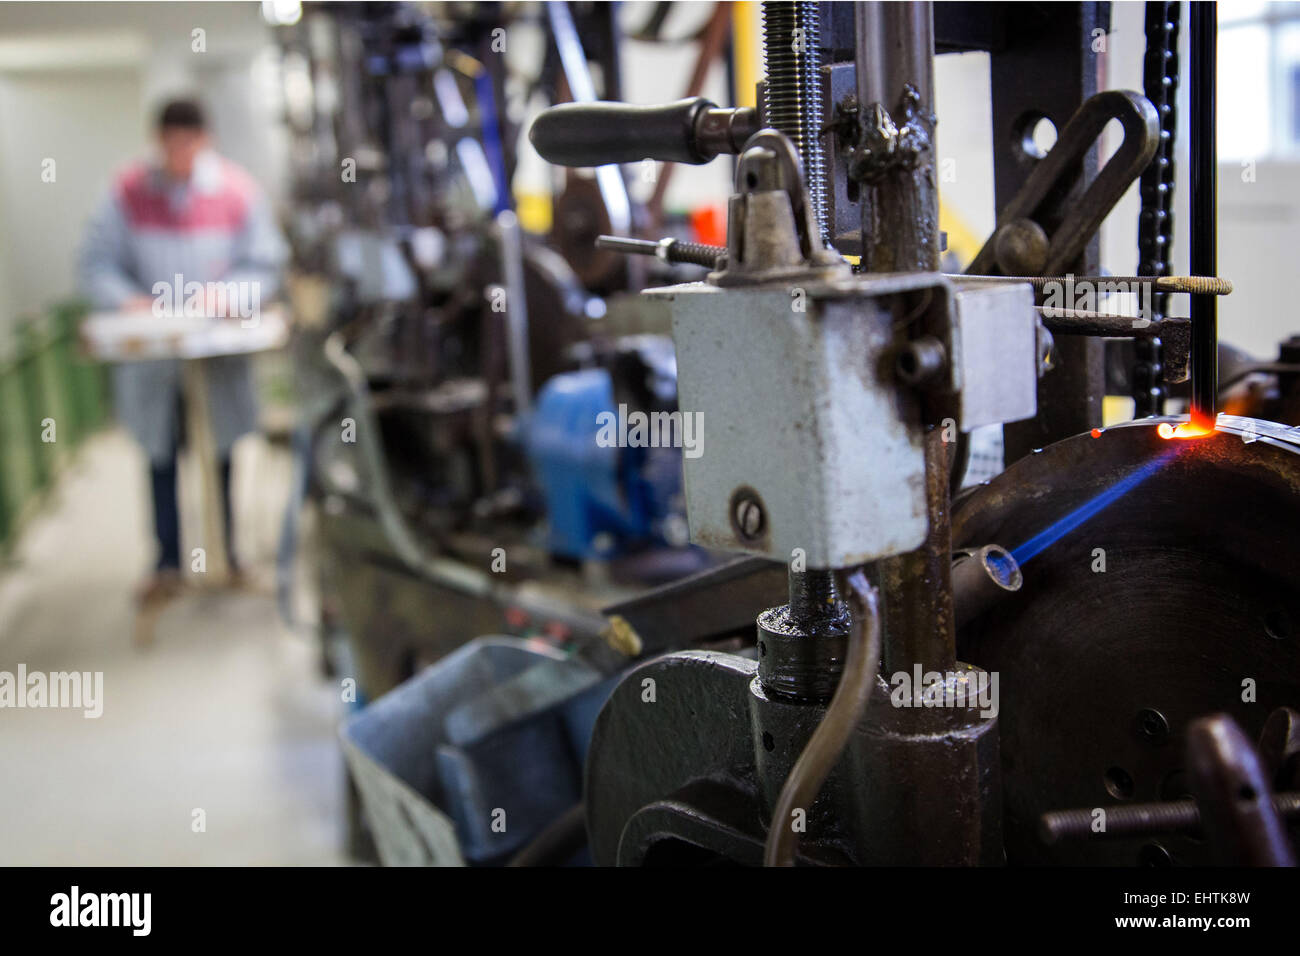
[{"x": 747, "y": 514}]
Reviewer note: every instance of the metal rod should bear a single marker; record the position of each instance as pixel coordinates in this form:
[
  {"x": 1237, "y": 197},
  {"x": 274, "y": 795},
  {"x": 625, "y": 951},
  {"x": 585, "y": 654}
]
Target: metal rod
[
  {"x": 668, "y": 250},
  {"x": 1141, "y": 819},
  {"x": 1196, "y": 285},
  {"x": 900, "y": 232},
  {"x": 1083, "y": 322},
  {"x": 1204, "y": 183},
  {"x": 512, "y": 264},
  {"x": 900, "y": 217},
  {"x": 981, "y": 578},
  {"x": 792, "y": 93}
]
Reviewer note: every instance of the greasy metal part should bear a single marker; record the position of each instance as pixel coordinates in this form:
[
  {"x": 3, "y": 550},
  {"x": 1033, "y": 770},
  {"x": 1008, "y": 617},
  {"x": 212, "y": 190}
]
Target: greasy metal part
[
  {"x": 1156, "y": 218},
  {"x": 895, "y": 91},
  {"x": 1172, "y": 556},
  {"x": 981, "y": 577},
  {"x": 792, "y": 93},
  {"x": 1204, "y": 208},
  {"x": 512, "y": 266},
  {"x": 916, "y": 601},
  {"x": 1234, "y": 796},
  {"x": 706, "y": 770},
  {"x": 853, "y": 691},
  {"x": 801, "y": 645}
]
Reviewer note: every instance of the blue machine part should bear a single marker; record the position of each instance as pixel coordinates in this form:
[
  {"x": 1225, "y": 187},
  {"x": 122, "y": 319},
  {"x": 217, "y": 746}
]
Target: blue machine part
[{"x": 599, "y": 500}]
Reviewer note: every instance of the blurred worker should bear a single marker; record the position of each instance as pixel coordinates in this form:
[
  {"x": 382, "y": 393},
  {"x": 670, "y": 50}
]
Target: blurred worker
[{"x": 187, "y": 216}]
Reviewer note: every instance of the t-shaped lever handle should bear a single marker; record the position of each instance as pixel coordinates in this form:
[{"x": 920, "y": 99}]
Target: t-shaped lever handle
[{"x": 595, "y": 134}]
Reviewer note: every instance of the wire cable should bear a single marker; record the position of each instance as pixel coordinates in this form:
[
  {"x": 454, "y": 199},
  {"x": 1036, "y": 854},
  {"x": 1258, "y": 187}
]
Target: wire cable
[{"x": 828, "y": 740}]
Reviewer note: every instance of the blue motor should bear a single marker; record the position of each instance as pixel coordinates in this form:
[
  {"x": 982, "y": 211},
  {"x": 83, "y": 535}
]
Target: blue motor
[{"x": 606, "y": 494}]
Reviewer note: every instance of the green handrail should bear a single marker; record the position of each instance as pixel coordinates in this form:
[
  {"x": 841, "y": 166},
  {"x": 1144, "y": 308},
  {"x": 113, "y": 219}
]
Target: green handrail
[{"x": 51, "y": 398}]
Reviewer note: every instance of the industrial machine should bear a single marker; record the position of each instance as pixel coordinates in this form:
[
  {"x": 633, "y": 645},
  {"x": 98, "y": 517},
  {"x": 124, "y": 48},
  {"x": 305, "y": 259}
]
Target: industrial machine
[
  {"x": 1092, "y": 657},
  {"x": 453, "y": 365},
  {"x": 467, "y": 387}
]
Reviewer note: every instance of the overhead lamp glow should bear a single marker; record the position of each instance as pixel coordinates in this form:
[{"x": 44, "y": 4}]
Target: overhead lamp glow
[{"x": 281, "y": 13}]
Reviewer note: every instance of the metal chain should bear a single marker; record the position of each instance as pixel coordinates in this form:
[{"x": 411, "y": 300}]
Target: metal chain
[{"x": 1156, "y": 220}]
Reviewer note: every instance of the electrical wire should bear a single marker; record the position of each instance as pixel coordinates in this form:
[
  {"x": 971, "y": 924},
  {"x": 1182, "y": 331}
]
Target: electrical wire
[{"x": 828, "y": 740}]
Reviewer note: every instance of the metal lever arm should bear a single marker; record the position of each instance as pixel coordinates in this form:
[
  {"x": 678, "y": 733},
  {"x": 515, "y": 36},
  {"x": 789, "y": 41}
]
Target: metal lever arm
[{"x": 596, "y": 134}]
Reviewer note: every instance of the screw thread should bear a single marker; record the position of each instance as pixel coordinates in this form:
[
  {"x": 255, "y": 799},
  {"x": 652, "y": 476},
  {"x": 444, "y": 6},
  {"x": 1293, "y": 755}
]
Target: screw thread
[{"x": 792, "y": 98}]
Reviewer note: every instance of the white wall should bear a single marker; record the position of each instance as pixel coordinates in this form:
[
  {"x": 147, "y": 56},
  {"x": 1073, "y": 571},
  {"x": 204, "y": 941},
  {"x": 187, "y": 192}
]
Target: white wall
[
  {"x": 79, "y": 83},
  {"x": 81, "y": 123}
]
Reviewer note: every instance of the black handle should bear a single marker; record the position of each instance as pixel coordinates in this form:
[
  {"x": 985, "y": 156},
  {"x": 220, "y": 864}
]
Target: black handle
[{"x": 595, "y": 134}]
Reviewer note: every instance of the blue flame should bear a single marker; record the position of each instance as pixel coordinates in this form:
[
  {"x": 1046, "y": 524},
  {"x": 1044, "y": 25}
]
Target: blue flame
[{"x": 1089, "y": 509}]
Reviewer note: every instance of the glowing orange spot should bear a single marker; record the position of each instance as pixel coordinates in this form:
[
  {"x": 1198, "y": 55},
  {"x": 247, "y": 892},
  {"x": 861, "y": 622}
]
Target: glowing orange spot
[
  {"x": 1183, "y": 430},
  {"x": 1096, "y": 433}
]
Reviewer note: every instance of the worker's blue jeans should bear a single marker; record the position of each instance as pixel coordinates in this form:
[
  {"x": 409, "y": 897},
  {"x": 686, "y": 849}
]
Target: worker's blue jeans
[{"x": 167, "y": 519}]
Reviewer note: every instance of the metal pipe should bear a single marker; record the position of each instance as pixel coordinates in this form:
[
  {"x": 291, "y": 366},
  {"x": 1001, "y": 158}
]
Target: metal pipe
[
  {"x": 1204, "y": 182},
  {"x": 900, "y": 215},
  {"x": 916, "y": 602},
  {"x": 981, "y": 577},
  {"x": 900, "y": 232}
]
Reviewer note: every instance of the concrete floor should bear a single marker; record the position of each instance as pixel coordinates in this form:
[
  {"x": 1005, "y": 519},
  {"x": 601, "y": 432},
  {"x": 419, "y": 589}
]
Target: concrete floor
[{"x": 226, "y": 712}]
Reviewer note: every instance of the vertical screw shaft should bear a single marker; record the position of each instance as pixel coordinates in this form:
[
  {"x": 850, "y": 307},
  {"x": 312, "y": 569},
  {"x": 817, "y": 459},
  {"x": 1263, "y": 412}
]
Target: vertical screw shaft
[{"x": 792, "y": 99}]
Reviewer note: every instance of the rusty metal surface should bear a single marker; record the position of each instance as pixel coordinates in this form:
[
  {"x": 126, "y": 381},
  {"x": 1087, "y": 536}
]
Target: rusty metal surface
[
  {"x": 1234, "y": 796},
  {"x": 1196, "y": 597}
]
